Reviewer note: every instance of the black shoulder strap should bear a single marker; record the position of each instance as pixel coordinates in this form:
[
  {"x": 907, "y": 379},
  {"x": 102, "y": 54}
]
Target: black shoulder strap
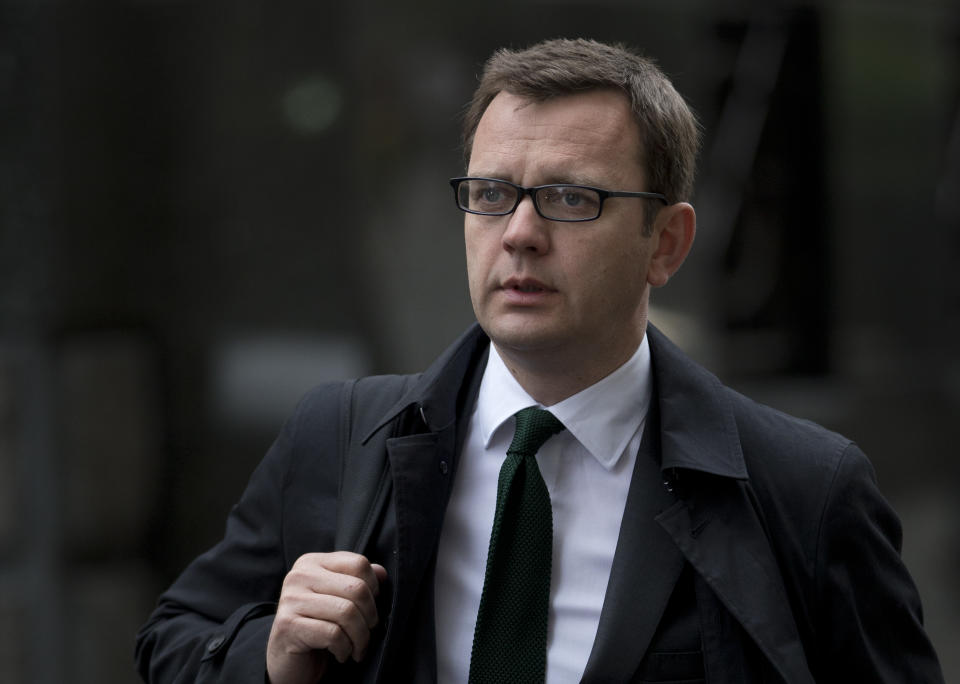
[{"x": 364, "y": 484}]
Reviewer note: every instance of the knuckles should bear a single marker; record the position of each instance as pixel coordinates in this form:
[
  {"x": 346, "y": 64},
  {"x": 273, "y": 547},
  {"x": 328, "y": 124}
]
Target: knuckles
[
  {"x": 355, "y": 589},
  {"x": 342, "y": 562},
  {"x": 351, "y": 563},
  {"x": 343, "y": 611},
  {"x": 285, "y": 621}
]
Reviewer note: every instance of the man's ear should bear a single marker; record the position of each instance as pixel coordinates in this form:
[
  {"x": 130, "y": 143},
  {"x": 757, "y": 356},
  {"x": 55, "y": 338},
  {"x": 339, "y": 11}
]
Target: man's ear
[{"x": 673, "y": 231}]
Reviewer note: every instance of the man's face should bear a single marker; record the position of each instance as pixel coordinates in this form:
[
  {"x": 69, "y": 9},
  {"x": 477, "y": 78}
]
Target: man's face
[{"x": 568, "y": 291}]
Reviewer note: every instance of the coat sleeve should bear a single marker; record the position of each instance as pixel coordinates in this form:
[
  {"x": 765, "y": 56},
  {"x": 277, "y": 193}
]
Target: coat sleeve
[
  {"x": 213, "y": 623},
  {"x": 869, "y": 619}
]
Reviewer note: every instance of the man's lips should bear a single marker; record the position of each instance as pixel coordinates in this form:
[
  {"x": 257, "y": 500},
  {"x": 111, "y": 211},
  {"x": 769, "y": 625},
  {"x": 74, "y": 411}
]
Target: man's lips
[
  {"x": 525, "y": 285},
  {"x": 525, "y": 290}
]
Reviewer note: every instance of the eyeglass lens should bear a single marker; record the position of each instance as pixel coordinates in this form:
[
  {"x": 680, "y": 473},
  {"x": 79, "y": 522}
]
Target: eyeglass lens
[{"x": 561, "y": 202}]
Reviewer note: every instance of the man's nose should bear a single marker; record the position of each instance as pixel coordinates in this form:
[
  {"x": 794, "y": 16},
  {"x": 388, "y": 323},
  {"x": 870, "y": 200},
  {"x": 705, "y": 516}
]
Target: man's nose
[{"x": 526, "y": 230}]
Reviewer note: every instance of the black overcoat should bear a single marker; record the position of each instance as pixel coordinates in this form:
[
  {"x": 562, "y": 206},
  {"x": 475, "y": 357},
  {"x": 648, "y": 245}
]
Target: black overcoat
[{"x": 755, "y": 547}]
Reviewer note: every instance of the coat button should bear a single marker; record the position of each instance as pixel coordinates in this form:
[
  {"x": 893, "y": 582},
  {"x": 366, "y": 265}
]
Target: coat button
[
  {"x": 215, "y": 643},
  {"x": 444, "y": 468}
]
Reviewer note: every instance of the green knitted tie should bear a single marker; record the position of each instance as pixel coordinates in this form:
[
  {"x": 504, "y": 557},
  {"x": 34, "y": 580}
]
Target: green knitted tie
[{"x": 510, "y": 640}]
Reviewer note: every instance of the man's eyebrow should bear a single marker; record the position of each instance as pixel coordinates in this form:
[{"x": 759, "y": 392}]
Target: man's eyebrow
[
  {"x": 570, "y": 179},
  {"x": 485, "y": 174},
  {"x": 550, "y": 179}
]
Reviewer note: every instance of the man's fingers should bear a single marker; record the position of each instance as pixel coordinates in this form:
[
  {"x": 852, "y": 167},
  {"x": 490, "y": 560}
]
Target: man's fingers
[
  {"x": 323, "y": 635},
  {"x": 346, "y": 563},
  {"x": 350, "y": 589},
  {"x": 327, "y": 603},
  {"x": 338, "y": 612}
]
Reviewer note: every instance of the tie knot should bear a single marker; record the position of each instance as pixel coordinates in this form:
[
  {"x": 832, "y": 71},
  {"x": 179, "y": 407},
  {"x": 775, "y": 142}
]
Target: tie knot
[{"x": 534, "y": 427}]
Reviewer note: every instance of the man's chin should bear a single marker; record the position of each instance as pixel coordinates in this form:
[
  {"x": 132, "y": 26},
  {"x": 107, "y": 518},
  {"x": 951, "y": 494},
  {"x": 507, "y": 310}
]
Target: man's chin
[{"x": 526, "y": 338}]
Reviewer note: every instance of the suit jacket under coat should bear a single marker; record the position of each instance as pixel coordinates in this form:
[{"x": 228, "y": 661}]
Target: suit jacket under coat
[{"x": 755, "y": 547}]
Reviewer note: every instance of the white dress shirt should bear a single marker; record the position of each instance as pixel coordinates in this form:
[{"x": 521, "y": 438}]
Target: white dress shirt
[{"x": 587, "y": 470}]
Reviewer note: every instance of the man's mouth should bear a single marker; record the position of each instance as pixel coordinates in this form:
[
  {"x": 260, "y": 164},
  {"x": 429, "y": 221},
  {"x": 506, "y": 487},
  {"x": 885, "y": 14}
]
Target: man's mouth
[{"x": 525, "y": 285}]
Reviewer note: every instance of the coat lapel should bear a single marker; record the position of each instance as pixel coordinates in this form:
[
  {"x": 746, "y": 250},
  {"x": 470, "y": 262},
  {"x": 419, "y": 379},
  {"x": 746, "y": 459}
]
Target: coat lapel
[
  {"x": 422, "y": 465},
  {"x": 646, "y": 566},
  {"x": 716, "y": 525},
  {"x": 723, "y": 540},
  {"x": 421, "y": 489},
  {"x": 422, "y": 458}
]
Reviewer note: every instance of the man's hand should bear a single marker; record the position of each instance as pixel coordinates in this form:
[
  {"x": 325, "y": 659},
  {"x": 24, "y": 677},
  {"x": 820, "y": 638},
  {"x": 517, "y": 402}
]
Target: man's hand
[{"x": 327, "y": 606}]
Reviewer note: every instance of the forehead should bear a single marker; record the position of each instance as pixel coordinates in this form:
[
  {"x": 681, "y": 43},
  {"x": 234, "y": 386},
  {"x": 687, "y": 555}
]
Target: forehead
[{"x": 589, "y": 137}]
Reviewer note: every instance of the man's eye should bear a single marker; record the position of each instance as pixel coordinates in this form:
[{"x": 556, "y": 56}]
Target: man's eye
[
  {"x": 488, "y": 195},
  {"x": 568, "y": 197}
]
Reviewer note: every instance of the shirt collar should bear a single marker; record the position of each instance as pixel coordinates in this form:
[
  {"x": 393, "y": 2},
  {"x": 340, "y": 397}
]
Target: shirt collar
[{"x": 602, "y": 417}]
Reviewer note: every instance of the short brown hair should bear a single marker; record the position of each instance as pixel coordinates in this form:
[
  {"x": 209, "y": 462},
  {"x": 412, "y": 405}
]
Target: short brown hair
[{"x": 669, "y": 131}]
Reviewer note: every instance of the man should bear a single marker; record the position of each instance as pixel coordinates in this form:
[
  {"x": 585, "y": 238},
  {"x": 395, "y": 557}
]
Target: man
[{"x": 396, "y": 531}]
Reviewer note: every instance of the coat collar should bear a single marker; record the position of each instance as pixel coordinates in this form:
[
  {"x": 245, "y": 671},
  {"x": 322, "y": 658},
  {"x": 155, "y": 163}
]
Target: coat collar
[
  {"x": 439, "y": 388},
  {"x": 709, "y": 444}
]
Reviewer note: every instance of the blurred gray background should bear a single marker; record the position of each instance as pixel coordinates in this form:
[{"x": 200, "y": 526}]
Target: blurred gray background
[{"x": 206, "y": 208}]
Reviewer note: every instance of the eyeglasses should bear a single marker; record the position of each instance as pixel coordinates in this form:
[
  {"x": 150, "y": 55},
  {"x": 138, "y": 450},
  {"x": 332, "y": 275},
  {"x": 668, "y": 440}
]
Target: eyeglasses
[{"x": 556, "y": 202}]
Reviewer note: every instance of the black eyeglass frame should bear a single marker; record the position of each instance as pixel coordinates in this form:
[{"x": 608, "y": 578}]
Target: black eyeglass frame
[{"x": 532, "y": 191}]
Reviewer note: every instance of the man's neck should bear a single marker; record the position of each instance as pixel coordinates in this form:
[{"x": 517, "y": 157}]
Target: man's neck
[{"x": 552, "y": 377}]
